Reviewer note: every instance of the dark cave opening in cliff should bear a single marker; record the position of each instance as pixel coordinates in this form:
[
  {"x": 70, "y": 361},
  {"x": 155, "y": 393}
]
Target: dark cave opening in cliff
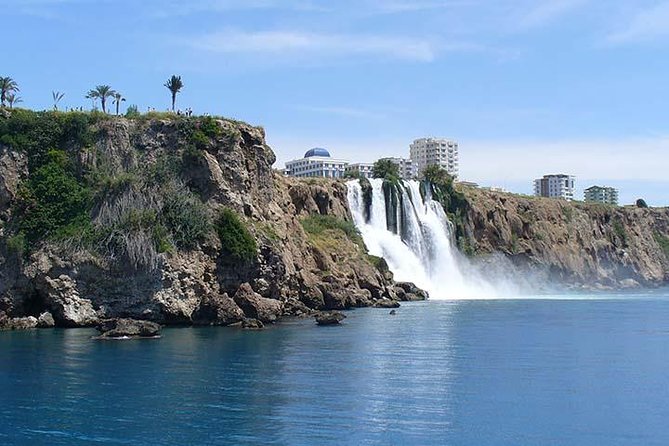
[{"x": 34, "y": 304}]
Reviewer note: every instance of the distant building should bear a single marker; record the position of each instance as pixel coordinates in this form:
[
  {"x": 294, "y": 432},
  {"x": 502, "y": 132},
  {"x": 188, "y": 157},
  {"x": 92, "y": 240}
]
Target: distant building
[
  {"x": 602, "y": 194},
  {"x": 555, "y": 186},
  {"x": 435, "y": 151},
  {"x": 405, "y": 166},
  {"x": 316, "y": 163},
  {"x": 468, "y": 184},
  {"x": 360, "y": 169}
]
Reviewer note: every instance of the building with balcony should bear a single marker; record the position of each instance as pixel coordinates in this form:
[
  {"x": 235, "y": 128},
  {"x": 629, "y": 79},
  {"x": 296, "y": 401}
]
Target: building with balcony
[
  {"x": 405, "y": 167},
  {"x": 555, "y": 186},
  {"x": 601, "y": 194},
  {"x": 360, "y": 170},
  {"x": 317, "y": 162},
  {"x": 426, "y": 152}
]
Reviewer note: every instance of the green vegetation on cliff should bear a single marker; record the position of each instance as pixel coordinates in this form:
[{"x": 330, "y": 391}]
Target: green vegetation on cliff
[
  {"x": 236, "y": 240},
  {"x": 663, "y": 241},
  {"x": 322, "y": 226},
  {"x": 76, "y": 195}
]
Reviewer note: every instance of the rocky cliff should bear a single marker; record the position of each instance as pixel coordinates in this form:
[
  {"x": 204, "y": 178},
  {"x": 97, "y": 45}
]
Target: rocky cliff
[
  {"x": 577, "y": 244},
  {"x": 183, "y": 221},
  {"x": 171, "y": 219}
]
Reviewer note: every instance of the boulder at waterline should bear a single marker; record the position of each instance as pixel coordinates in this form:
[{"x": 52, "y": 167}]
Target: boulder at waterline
[
  {"x": 217, "y": 310},
  {"x": 127, "y": 328},
  {"x": 252, "y": 324},
  {"x": 45, "y": 320},
  {"x": 257, "y": 307},
  {"x": 329, "y": 318},
  {"x": 386, "y": 303}
]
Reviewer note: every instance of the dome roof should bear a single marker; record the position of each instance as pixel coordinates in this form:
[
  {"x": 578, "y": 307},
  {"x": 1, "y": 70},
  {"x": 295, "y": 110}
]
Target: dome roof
[{"x": 317, "y": 151}]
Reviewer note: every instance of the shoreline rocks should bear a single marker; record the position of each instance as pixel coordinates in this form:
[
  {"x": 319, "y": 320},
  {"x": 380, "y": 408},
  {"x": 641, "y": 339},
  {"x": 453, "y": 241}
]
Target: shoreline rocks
[
  {"x": 123, "y": 328},
  {"x": 329, "y": 318}
]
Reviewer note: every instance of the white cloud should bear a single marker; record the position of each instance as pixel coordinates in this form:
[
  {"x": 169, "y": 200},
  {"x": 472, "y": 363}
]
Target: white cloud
[
  {"x": 645, "y": 25},
  {"x": 315, "y": 44}
]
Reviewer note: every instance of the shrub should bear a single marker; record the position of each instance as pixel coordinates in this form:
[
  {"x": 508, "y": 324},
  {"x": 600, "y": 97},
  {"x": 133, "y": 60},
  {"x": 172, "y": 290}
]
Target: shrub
[
  {"x": 17, "y": 244},
  {"x": 53, "y": 199},
  {"x": 619, "y": 231},
  {"x": 210, "y": 127},
  {"x": 663, "y": 241},
  {"x": 185, "y": 216},
  {"x": 37, "y": 133},
  {"x": 200, "y": 139},
  {"x": 236, "y": 240},
  {"x": 132, "y": 112}
]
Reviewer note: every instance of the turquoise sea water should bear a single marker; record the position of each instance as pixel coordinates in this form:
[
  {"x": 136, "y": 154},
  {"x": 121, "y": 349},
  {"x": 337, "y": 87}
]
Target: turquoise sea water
[{"x": 505, "y": 372}]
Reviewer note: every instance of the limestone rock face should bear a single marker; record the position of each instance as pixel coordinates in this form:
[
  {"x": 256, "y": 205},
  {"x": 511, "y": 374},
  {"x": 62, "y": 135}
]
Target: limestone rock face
[
  {"x": 217, "y": 310},
  {"x": 579, "y": 244},
  {"x": 257, "y": 307},
  {"x": 68, "y": 307}
]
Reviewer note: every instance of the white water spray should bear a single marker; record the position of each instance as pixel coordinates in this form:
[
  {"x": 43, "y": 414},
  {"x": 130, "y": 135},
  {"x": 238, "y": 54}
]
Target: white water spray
[{"x": 419, "y": 248}]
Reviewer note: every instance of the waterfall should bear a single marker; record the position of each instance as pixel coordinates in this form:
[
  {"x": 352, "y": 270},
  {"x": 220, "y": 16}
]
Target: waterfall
[{"x": 413, "y": 234}]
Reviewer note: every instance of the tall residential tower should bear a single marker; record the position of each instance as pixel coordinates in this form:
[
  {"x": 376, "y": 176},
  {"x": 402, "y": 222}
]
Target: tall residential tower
[
  {"x": 435, "y": 151},
  {"x": 555, "y": 186}
]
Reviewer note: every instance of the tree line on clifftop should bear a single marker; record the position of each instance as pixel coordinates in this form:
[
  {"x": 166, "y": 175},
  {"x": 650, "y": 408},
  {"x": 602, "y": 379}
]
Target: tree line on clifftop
[{"x": 9, "y": 90}]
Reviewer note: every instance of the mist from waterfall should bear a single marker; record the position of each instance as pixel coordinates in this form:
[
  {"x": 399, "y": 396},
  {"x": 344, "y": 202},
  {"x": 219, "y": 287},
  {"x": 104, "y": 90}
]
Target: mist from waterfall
[{"x": 413, "y": 234}]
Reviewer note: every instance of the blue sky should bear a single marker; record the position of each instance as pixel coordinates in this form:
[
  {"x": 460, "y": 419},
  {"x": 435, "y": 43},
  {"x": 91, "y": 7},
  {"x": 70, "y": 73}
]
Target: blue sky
[{"x": 526, "y": 86}]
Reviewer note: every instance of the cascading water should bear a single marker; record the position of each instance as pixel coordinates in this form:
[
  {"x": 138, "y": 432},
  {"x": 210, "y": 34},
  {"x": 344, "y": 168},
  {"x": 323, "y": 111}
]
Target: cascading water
[{"x": 413, "y": 234}]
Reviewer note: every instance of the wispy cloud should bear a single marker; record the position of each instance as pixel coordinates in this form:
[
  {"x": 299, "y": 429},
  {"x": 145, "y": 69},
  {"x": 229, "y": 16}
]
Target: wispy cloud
[
  {"x": 169, "y": 8},
  {"x": 646, "y": 25},
  {"x": 400, "y": 6},
  {"x": 347, "y": 112},
  {"x": 316, "y": 44},
  {"x": 546, "y": 11},
  {"x": 603, "y": 158}
]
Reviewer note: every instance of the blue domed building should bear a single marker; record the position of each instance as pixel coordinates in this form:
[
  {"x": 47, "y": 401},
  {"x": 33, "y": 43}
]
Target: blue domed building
[{"x": 317, "y": 163}]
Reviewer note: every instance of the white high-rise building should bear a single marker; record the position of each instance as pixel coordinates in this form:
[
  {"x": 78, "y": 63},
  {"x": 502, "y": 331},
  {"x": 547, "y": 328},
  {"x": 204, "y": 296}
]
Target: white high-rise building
[
  {"x": 316, "y": 163},
  {"x": 435, "y": 151},
  {"x": 555, "y": 186}
]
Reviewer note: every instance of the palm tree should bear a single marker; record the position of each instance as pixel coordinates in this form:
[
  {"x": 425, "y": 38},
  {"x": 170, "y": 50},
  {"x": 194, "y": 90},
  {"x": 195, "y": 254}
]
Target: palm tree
[
  {"x": 7, "y": 85},
  {"x": 57, "y": 96},
  {"x": 101, "y": 92},
  {"x": 13, "y": 99},
  {"x": 175, "y": 85},
  {"x": 118, "y": 98}
]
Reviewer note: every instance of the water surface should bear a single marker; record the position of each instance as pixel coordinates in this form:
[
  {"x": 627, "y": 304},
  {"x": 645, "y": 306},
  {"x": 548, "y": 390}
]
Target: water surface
[{"x": 502, "y": 372}]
